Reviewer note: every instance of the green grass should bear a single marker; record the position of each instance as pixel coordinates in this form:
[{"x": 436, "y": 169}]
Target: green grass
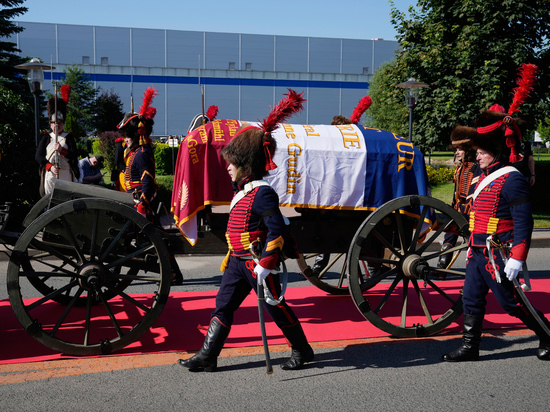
[{"x": 445, "y": 191}]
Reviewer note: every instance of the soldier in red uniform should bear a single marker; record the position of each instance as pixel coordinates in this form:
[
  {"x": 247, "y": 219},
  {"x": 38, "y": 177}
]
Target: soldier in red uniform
[
  {"x": 255, "y": 219},
  {"x": 465, "y": 178},
  {"x": 502, "y": 207}
]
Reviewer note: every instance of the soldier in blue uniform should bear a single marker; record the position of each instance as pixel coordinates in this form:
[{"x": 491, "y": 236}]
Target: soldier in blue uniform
[
  {"x": 503, "y": 207},
  {"x": 139, "y": 174},
  {"x": 255, "y": 219}
]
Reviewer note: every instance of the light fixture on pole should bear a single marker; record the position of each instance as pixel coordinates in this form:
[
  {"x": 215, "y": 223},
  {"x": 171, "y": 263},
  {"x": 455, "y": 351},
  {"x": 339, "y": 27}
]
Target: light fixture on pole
[
  {"x": 35, "y": 75},
  {"x": 411, "y": 88}
]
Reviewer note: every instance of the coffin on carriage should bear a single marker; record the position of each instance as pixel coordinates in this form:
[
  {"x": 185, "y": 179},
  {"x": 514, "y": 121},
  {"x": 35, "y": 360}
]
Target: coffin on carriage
[{"x": 360, "y": 195}]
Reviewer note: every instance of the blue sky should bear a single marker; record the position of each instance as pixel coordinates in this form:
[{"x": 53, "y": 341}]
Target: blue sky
[{"x": 360, "y": 19}]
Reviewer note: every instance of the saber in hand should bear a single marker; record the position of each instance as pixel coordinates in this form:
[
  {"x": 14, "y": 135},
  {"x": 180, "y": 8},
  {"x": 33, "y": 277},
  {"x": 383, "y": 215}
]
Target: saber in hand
[
  {"x": 493, "y": 242},
  {"x": 261, "y": 301}
]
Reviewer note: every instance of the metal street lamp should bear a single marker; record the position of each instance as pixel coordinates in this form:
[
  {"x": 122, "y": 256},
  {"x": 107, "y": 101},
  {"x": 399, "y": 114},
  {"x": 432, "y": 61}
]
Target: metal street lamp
[
  {"x": 411, "y": 88},
  {"x": 35, "y": 76}
]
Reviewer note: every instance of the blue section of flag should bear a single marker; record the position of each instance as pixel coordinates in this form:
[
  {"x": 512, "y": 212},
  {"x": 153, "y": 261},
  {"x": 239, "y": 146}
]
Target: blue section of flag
[{"x": 395, "y": 167}]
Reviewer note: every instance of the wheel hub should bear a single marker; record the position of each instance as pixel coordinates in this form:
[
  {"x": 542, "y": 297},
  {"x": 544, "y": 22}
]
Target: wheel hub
[
  {"x": 410, "y": 264},
  {"x": 92, "y": 276}
]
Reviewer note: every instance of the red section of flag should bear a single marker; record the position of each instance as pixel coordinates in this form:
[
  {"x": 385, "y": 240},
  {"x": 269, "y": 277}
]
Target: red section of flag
[{"x": 201, "y": 176}]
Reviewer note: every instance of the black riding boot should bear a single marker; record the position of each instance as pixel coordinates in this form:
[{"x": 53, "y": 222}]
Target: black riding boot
[
  {"x": 471, "y": 338},
  {"x": 445, "y": 259},
  {"x": 301, "y": 350},
  {"x": 207, "y": 357},
  {"x": 543, "y": 351},
  {"x": 321, "y": 262}
]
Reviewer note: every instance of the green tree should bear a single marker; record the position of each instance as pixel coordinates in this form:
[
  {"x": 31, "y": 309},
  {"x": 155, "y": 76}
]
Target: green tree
[
  {"x": 9, "y": 50},
  {"x": 388, "y": 110},
  {"x": 18, "y": 170},
  {"x": 108, "y": 112},
  {"x": 80, "y": 110},
  {"x": 469, "y": 53}
]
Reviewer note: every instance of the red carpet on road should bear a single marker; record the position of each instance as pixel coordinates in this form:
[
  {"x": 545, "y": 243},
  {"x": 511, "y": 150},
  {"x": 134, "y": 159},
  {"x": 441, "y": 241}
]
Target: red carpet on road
[{"x": 324, "y": 317}]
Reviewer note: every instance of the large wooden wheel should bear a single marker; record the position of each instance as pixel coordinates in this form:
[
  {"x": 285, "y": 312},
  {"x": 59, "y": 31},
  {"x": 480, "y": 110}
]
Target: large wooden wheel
[
  {"x": 407, "y": 295},
  {"x": 81, "y": 252}
]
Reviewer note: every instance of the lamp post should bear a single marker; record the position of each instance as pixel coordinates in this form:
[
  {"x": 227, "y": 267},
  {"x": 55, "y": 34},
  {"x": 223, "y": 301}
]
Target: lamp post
[
  {"x": 411, "y": 88},
  {"x": 35, "y": 77}
]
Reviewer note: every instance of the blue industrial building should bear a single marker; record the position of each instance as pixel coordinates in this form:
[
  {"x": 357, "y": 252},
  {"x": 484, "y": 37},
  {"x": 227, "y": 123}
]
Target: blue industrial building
[{"x": 243, "y": 74}]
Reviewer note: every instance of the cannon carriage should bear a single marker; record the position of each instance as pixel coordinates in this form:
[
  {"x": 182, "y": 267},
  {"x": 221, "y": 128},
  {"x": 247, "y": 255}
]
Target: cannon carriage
[{"x": 84, "y": 246}]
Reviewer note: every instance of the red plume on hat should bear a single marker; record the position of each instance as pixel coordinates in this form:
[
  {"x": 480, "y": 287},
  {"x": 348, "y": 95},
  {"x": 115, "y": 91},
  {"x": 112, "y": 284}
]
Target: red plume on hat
[
  {"x": 65, "y": 93},
  {"x": 212, "y": 112},
  {"x": 525, "y": 84},
  {"x": 146, "y": 112},
  {"x": 361, "y": 108},
  {"x": 289, "y": 105}
]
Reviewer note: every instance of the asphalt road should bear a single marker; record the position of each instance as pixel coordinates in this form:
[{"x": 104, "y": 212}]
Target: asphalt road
[{"x": 385, "y": 375}]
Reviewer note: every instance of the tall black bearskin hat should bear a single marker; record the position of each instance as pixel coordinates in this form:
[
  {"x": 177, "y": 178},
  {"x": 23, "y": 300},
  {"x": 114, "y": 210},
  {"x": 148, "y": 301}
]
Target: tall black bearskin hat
[
  {"x": 252, "y": 148},
  {"x": 462, "y": 138},
  {"x": 140, "y": 125},
  {"x": 497, "y": 131},
  {"x": 201, "y": 119},
  {"x": 62, "y": 102}
]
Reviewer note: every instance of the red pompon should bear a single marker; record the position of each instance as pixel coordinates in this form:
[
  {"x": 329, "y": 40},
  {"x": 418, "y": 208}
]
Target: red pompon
[
  {"x": 212, "y": 112},
  {"x": 497, "y": 108},
  {"x": 361, "y": 108},
  {"x": 146, "y": 110},
  {"x": 65, "y": 93},
  {"x": 526, "y": 83},
  {"x": 289, "y": 105}
]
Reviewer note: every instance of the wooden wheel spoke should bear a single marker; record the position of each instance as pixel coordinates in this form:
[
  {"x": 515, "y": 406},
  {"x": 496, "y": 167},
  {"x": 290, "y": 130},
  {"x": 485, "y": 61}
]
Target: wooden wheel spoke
[
  {"x": 401, "y": 231},
  {"x": 433, "y": 237},
  {"x": 454, "y": 249},
  {"x": 46, "y": 275},
  {"x": 441, "y": 292},
  {"x": 130, "y": 299},
  {"x": 51, "y": 295},
  {"x": 37, "y": 244},
  {"x": 115, "y": 240},
  {"x": 329, "y": 266},
  {"x": 387, "y": 294},
  {"x": 110, "y": 313},
  {"x": 404, "y": 301},
  {"x": 94, "y": 235},
  {"x": 425, "y": 308},
  {"x": 66, "y": 312},
  {"x": 74, "y": 242},
  {"x": 130, "y": 256},
  {"x": 418, "y": 229},
  {"x": 386, "y": 244}
]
